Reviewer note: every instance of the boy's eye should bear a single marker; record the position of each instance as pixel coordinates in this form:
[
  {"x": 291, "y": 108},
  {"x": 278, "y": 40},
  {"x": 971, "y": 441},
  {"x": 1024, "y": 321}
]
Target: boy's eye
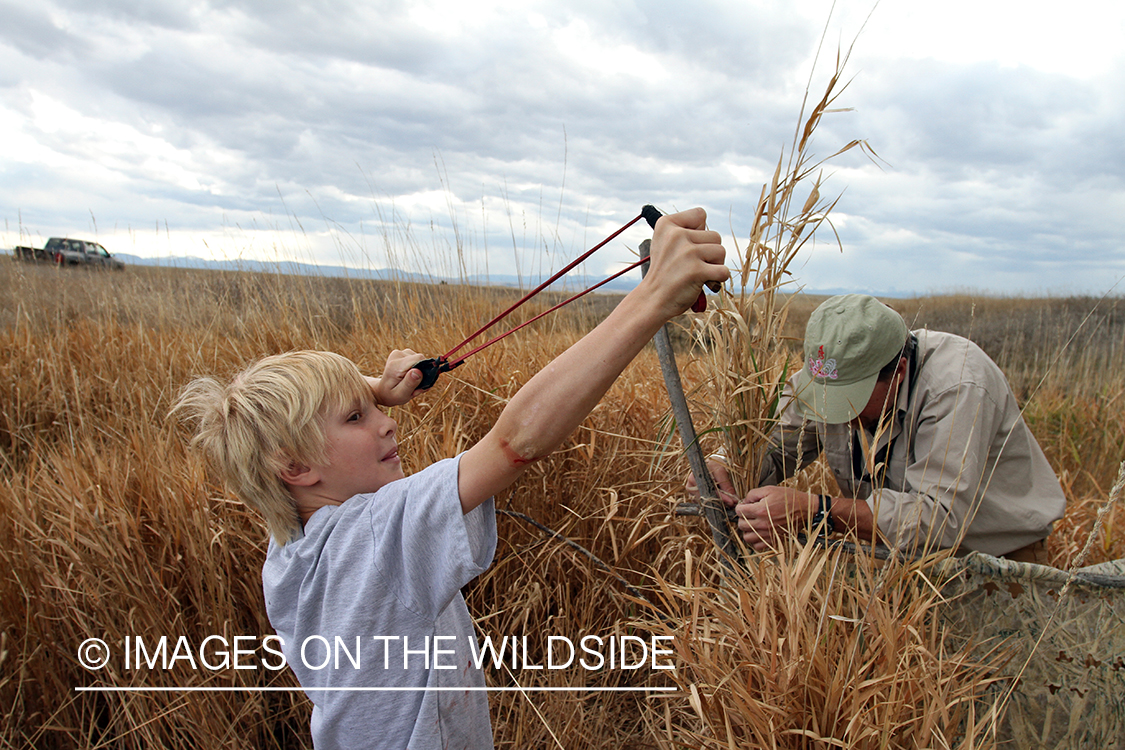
[{"x": 355, "y": 416}]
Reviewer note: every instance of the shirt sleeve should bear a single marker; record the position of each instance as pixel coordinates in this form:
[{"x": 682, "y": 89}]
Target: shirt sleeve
[
  {"x": 794, "y": 444},
  {"x": 426, "y": 545},
  {"x": 945, "y": 475}
]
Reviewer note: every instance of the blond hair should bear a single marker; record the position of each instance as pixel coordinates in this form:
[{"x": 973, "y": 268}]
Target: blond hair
[{"x": 269, "y": 416}]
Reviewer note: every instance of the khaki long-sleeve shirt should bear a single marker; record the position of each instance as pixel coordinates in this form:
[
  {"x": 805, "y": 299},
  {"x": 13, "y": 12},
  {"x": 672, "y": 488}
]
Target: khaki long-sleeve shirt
[{"x": 958, "y": 466}]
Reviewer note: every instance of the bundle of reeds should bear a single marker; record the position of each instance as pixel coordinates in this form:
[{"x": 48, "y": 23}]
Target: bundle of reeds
[
  {"x": 801, "y": 647},
  {"x": 747, "y": 352}
]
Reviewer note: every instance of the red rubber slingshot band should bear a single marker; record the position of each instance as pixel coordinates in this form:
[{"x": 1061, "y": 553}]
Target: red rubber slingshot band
[{"x": 431, "y": 368}]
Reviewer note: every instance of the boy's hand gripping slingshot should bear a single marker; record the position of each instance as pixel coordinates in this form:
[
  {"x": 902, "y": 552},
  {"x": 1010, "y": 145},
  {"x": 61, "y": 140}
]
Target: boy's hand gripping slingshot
[{"x": 431, "y": 368}]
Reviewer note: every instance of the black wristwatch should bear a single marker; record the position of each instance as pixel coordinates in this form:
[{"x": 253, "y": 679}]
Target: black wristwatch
[{"x": 824, "y": 515}]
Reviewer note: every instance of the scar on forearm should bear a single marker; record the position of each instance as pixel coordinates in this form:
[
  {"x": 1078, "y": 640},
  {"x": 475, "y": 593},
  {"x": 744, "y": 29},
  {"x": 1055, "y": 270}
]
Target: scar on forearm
[{"x": 514, "y": 458}]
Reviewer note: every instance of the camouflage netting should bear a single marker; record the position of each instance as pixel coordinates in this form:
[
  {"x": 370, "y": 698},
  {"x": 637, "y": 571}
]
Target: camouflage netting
[{"x": 1066, "y": 636}]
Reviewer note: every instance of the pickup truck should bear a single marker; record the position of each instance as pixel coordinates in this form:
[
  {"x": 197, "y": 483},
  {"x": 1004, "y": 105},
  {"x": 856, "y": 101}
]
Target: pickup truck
[{"x": 68, "y": 252}]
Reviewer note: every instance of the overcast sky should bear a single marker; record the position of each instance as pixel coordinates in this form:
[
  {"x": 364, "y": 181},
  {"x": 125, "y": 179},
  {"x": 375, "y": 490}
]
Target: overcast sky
[{"x": 389, "y": 133}]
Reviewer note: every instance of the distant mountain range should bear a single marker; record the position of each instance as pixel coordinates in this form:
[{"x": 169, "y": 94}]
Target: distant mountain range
[{"x": 619, "y": 286}]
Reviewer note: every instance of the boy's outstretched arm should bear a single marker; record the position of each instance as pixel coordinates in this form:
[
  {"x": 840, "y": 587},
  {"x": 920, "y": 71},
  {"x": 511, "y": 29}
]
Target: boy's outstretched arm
[{"x": 552, "y": 404}]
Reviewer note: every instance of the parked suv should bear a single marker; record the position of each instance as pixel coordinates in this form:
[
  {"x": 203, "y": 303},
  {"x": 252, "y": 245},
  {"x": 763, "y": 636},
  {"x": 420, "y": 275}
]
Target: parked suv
[{"x": 65, "y": 251}]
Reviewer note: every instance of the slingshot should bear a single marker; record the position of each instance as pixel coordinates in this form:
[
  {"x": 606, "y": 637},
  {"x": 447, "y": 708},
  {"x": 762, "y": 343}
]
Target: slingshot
[{"x": 431, "y": 368}]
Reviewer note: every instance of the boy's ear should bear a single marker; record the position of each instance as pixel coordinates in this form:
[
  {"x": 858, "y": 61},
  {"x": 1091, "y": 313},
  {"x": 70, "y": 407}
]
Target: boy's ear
[{"x": 298, "y": 474}]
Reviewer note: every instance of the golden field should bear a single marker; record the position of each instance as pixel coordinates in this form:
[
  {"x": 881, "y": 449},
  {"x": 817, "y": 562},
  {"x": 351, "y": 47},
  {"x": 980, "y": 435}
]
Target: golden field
[{"x": 114, "y": 528}]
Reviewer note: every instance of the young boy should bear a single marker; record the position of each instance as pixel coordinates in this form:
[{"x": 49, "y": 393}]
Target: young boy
[{"x": 366, "y": 558}]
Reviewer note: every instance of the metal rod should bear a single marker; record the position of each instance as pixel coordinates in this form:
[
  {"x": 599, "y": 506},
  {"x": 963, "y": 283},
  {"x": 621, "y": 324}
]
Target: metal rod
[{"x": 713, "y": 508}]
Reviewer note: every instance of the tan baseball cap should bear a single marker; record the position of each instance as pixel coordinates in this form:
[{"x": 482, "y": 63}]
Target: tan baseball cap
[{"x": 847, "y": 341}]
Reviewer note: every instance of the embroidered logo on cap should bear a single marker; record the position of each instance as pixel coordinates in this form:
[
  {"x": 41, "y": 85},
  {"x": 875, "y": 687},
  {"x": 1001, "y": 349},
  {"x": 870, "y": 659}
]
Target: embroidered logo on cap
[{"x": 820, "y": 368}]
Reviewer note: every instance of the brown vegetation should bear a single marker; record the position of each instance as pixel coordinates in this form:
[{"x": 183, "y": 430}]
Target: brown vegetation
[{"x": 113, "y": 528}]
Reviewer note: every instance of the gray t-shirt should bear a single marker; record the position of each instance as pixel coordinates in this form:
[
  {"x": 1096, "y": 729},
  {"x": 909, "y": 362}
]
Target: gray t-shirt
[{"x": 387, "y": 569}]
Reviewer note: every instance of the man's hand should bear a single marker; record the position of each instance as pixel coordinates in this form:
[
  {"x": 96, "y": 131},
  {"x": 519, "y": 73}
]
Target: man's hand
[
  {"x": 399, "y": 379},
  {"x": 767, "y": 512},
  {"x": 722, "y": 482}
]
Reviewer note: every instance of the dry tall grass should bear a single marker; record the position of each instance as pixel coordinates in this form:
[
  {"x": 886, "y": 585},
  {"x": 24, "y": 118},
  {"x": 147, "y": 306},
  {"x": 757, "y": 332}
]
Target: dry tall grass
[
  {"x": 117, "y": 531},
  {"x": 113, "y": 529},
  {"x": 747, "y": 354},
  {"x": 804, "y": 648}
]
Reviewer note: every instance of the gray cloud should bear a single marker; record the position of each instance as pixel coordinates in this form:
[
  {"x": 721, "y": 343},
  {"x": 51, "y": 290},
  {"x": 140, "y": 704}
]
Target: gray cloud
[{"x": 204, "y": 114}]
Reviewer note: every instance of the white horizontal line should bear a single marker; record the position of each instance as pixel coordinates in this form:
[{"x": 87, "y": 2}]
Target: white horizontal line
[{"x": 220, "y": 689}]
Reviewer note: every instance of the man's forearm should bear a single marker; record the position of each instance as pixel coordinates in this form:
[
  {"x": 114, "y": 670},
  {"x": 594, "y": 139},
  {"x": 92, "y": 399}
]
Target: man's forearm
[
  {"x": 767, "y": 512},
  {"x": 855, "y": 516},
  {"x": 792, "y": 447}
]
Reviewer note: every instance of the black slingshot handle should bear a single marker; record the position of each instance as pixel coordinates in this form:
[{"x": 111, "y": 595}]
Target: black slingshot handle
[
  {"x": 651, "y": 213},
  {"x": 430, "y": 369}
]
